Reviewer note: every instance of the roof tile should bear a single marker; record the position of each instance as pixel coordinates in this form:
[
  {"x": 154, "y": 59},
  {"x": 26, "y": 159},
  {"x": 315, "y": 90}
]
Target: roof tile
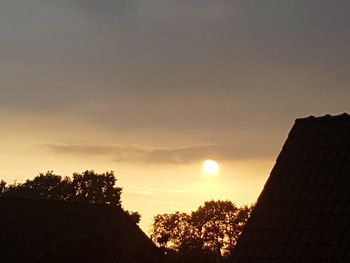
[{"x": 304, "y": 209}]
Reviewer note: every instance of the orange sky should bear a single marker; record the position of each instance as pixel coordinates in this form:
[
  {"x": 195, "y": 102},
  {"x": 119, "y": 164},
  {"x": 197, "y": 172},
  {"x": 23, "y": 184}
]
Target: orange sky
[
  {"x": 152, "y": 88},
  {"x": 148, "y": 187}
]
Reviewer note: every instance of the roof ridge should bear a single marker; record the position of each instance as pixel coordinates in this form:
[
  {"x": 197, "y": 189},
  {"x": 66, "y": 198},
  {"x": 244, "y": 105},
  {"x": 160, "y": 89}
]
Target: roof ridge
[{"x": 327, "y": 117}]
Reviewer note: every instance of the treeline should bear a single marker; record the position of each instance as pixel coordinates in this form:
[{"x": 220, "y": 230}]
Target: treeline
[
  {"x": 207, "y": 235},
  {"x": 86, "y": 187}
]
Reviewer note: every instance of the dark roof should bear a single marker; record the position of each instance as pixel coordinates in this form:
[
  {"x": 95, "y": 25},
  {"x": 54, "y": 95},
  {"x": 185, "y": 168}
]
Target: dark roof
[
  {"x": 52, "y": 231},
  {"x": 303, "y": 212}
]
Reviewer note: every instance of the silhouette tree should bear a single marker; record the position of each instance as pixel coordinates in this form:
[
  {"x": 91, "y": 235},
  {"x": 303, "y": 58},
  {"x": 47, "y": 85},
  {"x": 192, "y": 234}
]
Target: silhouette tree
[
  {"x": 95, "y": 188},
  {"x": 170, "y": 231},
  {"x": 87, "y": 187},
  {"x": 44, "y": 186},
  {"x": 219, "y": 224},
  {"x": 210, "y": 232},
  {"x": 135, "y": 216},
  {"x": 2, "y": 187}
]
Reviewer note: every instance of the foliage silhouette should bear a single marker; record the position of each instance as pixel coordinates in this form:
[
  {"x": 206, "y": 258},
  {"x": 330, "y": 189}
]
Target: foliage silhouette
[
  {"x": 96, "y": 188},
  {"x": 206, "y": 235},
  {"x": 219, "y": 224},
  {"x": 135, "y": 216},
  {"x": 87, "y": 187},
  {"x": 2, "y": 187}
]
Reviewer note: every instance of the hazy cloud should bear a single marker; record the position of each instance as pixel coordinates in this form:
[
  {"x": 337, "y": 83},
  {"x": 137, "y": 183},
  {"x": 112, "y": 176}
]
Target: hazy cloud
[
  {"x": 184, "y": 155},
  {"x": 203, "y": 66},
  {"x": 141, "y": 191},
  {"x": 115, "y": 152}
]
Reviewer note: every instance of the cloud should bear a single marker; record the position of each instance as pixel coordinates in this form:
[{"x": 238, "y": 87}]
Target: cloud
[
  {"x": 169, "y": 203},
  {"x": 141, "y": 191},
  {"x": 128, "y": 153},
  {"x": 147, "y": 191},
  {"x": 185, "y": 155},
  {"x": 108, "y": 11},
  {"x": 185, "y": 66}
]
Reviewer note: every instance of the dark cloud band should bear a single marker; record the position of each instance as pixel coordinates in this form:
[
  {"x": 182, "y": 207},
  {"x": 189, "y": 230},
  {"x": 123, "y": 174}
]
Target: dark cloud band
[{"x": 184, "y": 155}]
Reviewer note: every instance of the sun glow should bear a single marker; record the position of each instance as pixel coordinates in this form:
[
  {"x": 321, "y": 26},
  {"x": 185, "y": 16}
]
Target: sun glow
[{"x": 210, "y": 167}]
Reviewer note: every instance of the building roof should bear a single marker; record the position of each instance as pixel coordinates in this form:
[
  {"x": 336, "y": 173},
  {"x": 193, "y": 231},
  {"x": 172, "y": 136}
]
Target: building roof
[
  {"x": 53, "y": 231},
  {"x": 303, "y": 212}
]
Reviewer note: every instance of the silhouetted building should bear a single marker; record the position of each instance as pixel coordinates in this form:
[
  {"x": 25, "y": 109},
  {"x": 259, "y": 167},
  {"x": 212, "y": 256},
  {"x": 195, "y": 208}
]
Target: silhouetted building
[
  {"x": 303, "y": 212},
  {"x": 52, "y": 231}
]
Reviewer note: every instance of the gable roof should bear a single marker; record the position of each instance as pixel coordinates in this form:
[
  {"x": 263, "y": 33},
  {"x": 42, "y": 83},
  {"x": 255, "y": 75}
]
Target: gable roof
[
  {"x": 303, "y": 212},
  {"x": 53, "y": 231}
]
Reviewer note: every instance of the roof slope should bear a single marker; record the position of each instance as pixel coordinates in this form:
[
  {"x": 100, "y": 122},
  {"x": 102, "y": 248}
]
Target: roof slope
[
  {"x": 303, "y": 212},
  {"x": 52, "y": 231}
]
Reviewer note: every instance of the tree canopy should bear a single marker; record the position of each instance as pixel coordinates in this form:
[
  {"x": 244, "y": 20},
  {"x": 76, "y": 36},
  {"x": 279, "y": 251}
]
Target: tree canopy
[
  {"x": 212, "y": 229},
  {"x": 86, "y": 187}
]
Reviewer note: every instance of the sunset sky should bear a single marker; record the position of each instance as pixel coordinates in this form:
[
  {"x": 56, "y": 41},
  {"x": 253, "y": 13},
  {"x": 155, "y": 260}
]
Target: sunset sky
[{"x": 152, "y": 88}]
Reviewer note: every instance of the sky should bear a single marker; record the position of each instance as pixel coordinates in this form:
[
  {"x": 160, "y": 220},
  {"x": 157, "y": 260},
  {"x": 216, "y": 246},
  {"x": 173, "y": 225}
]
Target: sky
[{"x": 152, "y": 88}]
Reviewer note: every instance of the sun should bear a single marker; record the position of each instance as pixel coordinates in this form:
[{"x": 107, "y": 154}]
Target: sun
[{"x": 210, "y": 167}]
